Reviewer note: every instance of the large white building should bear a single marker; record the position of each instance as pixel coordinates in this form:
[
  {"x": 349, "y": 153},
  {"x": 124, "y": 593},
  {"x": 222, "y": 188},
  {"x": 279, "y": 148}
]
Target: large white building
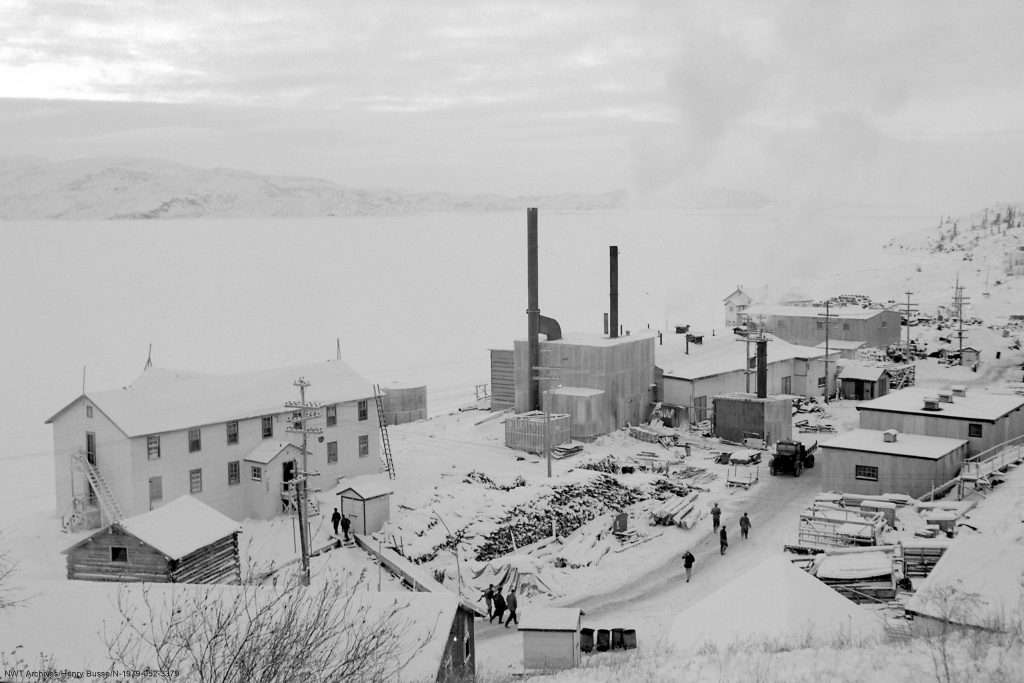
[{"x": 219, "y": 438}]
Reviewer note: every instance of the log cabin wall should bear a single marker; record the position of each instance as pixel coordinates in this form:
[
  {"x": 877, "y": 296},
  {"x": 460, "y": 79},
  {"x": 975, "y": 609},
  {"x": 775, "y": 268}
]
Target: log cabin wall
[
  {"x": 214, "y": 563},
  {"x": 93, "y": 560}
]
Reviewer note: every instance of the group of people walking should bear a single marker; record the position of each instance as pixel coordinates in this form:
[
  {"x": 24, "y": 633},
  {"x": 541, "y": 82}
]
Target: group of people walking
[
  {"x": 497, "y": 604},
  {"x": 338, "y": 518},
  {"x": 723, "y": 537}
]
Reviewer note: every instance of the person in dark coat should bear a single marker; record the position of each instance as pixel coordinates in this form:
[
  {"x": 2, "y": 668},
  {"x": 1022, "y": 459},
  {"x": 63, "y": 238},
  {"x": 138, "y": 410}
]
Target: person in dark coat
[
  {"x": 345, "y": 524},
  {"x": 716, "y": 515},
  {"x": 744, "y": 526},
  {"x": 499, "y": 606},
  {"x": 335, "y": 519},
  {"x": 510, "y": 602},
  {"x": 488, "y": 597},
  {"x": 723, "y": 539},
  {"x": 688, "y": 560}
]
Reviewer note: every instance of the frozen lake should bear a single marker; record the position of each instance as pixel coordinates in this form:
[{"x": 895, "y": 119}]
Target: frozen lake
[{"x": 411, "y": 299}]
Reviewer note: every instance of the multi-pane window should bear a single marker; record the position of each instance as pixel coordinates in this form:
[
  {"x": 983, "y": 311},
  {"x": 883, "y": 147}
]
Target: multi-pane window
[
  {"x": 195, "y": 481},
  {"x": 88, "y": 411},
  {"x": 332, "y": 415},
  {"x": 866, "y": 472},
  {"x": 363, "y": 412},
  {"x": 332, "y": 452},
  {"x": 821, "y": 381},
  {"x": 268, "y": 426},
  {"x": 364, "y": 446},
  {"x": 194, "y": 444},
  {"x": 118, "y": 554},
  {"x": 257, "y": 473},
  {"x": 232, "y": 428},
  {"x": 234, "y": 472},
  {"x": 974, "y": 430},
  {"x": 153, "y": 447}
]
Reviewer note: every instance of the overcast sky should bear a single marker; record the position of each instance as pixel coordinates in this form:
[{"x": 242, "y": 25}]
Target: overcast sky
[{"x": 887, "y": 102}]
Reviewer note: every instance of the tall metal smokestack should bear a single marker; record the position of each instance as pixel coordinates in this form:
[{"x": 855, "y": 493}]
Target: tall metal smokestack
[
  {"x": 613, "y": 316},
  {"x": 533, "y": 309},
  {"x": 762, "y": 368}
]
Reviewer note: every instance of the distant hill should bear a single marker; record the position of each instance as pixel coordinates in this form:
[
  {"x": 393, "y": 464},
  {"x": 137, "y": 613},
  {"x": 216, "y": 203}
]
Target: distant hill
[
  {"x": 130, "y": 188},
  {"x": 983, "y": 235}
]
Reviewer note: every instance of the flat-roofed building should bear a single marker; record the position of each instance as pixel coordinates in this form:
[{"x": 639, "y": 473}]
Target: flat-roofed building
[{"x": 805, "y": 325}]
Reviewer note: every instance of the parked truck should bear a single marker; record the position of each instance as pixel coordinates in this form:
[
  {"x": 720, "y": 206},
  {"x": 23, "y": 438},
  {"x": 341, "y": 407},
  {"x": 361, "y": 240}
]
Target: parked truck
[{"x": 792, "y": 457}]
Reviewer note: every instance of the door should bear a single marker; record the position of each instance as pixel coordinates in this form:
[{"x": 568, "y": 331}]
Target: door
[
  {"x": 156, "y": 490},
  {"x": 287, "y": 474},
  {"x": 90, "y": 448}
]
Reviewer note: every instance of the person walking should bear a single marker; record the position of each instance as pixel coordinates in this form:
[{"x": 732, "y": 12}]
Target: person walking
[
  {"x": 335, "y": 520},
  {"x": 499, "y": 606},
  {"x": 716, "y": 515},
  {"x": 345, "y": 524},
  {"x": 511, "y": 603},
  {"x": 744, "y": 526},
  {"x": 688, "y": 560},
  {"x": 488, "y": 598},
  {"x": 723, "y": 539}
]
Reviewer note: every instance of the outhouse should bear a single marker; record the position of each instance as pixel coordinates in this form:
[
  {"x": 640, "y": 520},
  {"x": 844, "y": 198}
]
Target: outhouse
[
  {"x": 366, "y": 501},
  {"x": 551, "y": 638}
]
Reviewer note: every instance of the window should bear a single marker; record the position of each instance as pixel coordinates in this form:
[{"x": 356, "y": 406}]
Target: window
[
  {"x": 364, "y": 446},
  {"x": 332, "y": 452},
  {"x": 257, "y": 473},
  {"x": 194, "y": 444},
  {"x": 885, "y": 323},
  {"x": 362, "y": 410},
  {"x": 153, "y": 447},
  {"x": 974, "y": 430},
  {"x": 156, "y": 489},
  {"x": 846, "y": 326},
  {"x": 332, "y": 415},
  {"x": 118, "y": 554},
  {"x": 234, "y": 473},
  {"x": 752, "y": 363},
  {"x": 232, "y": 432},
  {"x": 90, "y": 447},
  {"x": 88, "y": 411},
  {"x": 819, "y": 324},
  {"x": 268, "y": 426},
  {"x": 821, "y": 382},
  {"x": 195, "y": 481},
  {"x": 866, "y": 472}
]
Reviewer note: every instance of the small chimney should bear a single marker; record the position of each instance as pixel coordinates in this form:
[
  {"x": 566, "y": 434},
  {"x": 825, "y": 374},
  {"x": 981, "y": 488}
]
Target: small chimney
[
  {"x": 945, "y": 396},
  {"x": 931, "y": 403},
  {"x": 889, "y": 436},
  {"x": 959, "y": 390}
]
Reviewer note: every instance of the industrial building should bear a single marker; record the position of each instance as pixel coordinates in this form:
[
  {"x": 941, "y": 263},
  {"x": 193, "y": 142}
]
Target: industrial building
[
  {"x": 805, "y": 325},
  {"x": 873, "y": 462},
  {"x": 983, "y": 419}
]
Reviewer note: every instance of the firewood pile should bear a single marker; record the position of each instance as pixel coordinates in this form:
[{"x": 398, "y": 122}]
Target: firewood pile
[
  {"x": 475, "y": 477},
  {"x": 675, "y": 510},
  {"x": 570, "y": 506},
  {"x": 664, "y": 488},
  {"x": 609, "y": 464}
]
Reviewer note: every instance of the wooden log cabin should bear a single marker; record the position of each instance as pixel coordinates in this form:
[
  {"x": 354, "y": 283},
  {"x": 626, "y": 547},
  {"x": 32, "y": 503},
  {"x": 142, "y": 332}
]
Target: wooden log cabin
[{"x": 185, "y": 541}]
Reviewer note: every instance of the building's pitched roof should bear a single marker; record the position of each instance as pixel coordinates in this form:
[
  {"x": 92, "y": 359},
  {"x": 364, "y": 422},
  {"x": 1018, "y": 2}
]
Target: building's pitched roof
[
  {"x": 549, "y": 619},
  {"x": 814, "y": 312},
  {"x": 367, "y": 486},
  {"x": 270, "y": 449},
  {"x": 721, "y": 354},
  {"x": 738, "y": 292},
  {"x": 178, "y": 528},
  {"x": 864, "y": 373},
  {"x": 163, "y": 401},
  {"x": 976, "y": 405},
  {"x": 908, "y": 445}
]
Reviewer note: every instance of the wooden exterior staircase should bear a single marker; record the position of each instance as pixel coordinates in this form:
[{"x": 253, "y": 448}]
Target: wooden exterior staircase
[{"x": 108, "y": 502}]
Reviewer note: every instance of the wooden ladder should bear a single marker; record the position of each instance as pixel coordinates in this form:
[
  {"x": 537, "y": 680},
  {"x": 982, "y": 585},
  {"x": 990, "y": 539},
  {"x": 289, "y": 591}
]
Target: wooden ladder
[{"x": 387, "y": 464}]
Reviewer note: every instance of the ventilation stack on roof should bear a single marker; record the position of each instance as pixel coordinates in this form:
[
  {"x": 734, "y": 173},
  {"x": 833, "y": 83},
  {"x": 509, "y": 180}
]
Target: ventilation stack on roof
[
  {"x": 931, "y": 403},
  {"x": 958, "y": 390},
  {"x": 945, "y": 396},
  {"x": 889, "y": 436},
  {"x": 762, "y": 368}
]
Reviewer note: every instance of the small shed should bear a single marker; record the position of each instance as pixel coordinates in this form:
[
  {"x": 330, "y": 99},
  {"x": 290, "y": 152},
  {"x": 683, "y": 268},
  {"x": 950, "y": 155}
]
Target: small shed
[
  {"x": 551, "y": 638},
  {"x": 526, "y": 431},
  {"x": 185, "y": 541},
  {"x": 969, "y": 356},
  {"x": 367, "y": 502},
  {"x": 860, "y": 382}
]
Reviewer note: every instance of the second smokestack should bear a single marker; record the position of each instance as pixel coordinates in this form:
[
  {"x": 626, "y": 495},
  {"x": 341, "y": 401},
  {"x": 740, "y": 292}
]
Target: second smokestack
[{"x": 613, "y": 315}]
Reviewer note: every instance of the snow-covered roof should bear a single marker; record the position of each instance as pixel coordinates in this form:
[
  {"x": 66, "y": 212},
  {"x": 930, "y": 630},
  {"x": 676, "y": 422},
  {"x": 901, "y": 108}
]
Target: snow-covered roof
[
  {"x": 854, "y": 565},
  {"x": 864, "y": 373},
  {"x": 550, "y": 619},
  {"x": 178, "y": 528},
  {"x": 367, "y": 486},
  {"x": 814, "y": 312},
  {"x": 163, "y": 400},
  {"x": 976, "y": 405},
  {"x": 982, "y": 577},
  {"x": 772, "y": 601},
  {"x": 580, "y": 339},
  {"x": 721, "y": 354},
  {"x": 841, "y": 344},
  {"x": 269, "y": 449},
  {"x": 909, "y": 445}
]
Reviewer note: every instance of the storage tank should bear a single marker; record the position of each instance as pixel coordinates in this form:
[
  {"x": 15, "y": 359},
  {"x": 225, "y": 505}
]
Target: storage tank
[{"x": 404, "y": 403}]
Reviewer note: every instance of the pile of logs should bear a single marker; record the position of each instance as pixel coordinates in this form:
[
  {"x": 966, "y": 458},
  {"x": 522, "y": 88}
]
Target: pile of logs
[
  {"x": 678, "y": 510},
  {"x": 570, "y": 506},
  {"x": 475, "y": 477},
  {"x": 663, "y": 488},
  {"x": 609, "y": 464}
]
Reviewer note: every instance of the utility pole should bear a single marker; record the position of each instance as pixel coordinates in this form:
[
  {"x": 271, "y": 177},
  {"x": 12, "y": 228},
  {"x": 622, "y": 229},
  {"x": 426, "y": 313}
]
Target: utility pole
[
  {"x": 911, "y": 308},
  {"x": 307, "y": 411},
  {"x": 958, "y": 303},
  {"x": 828, "y": 324}
]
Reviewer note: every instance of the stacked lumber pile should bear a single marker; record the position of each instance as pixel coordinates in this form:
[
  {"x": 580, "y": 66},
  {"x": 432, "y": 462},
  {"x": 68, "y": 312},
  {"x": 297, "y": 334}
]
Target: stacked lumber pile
[
  {"x": 676, "y": 510},
  {"x": 570, "y": 506}
]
